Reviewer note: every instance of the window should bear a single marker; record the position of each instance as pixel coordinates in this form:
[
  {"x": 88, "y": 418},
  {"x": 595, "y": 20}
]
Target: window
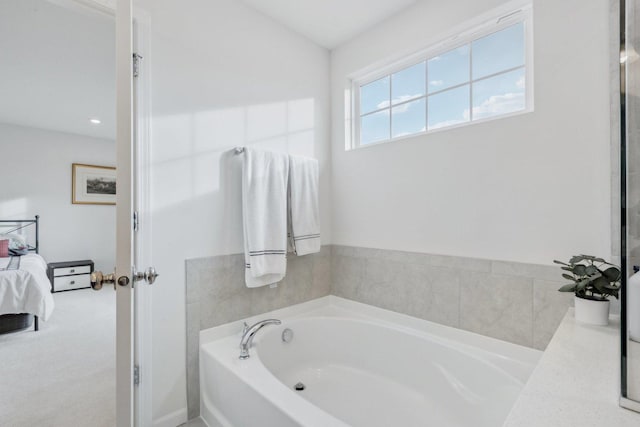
[{"x": 482, "y": 75}]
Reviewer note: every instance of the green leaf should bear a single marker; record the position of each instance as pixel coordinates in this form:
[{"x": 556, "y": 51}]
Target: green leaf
[
  {"x": 559, "y": 262},
  {"x": 576, "y": 259},
  {"x": 591, "y": 258},
  {"x": 580, "y": 270},
  {"x": 568, "y": 277},
  {"x": 590, "y": 269},
  {"x": 570, "y": 287},
  {"x": 595, "y": 275},
  {"x": 600, "y": 284},
  {"x": 582, "y": 284},
  {"x": 612, "y": 274}
]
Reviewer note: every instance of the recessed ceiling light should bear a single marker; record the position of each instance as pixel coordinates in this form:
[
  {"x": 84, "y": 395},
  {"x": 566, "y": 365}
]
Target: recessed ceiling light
[{"x": 95, "y": 121}]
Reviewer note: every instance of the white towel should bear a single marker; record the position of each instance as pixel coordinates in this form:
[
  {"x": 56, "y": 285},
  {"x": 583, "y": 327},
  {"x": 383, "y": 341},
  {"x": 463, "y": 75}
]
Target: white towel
[
  {"x": 304, "y": 213},
  {"x": 264, "y": 211}
]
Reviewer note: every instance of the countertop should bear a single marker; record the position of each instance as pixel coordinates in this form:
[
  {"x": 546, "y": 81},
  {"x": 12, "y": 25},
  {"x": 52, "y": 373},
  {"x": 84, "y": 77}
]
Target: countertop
[{"x": 576, "y": 382}]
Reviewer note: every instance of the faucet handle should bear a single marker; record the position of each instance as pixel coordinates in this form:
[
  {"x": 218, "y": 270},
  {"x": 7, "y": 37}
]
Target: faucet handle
[{"x": 245, "y": 328}]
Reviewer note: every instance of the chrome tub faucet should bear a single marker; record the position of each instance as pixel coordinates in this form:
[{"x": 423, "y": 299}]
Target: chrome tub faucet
[{"x": 249, "y": 332}]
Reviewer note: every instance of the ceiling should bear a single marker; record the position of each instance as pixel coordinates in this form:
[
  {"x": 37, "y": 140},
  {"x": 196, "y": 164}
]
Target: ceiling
[
  {"x": 57, "y": 67},
  {"x": 57, "y": 57},
  {"x": 329, "y": 23}
]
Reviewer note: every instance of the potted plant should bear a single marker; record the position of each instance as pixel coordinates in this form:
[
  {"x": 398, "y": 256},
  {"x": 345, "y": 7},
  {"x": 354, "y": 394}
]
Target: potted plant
[{"x": 593, "y": 281}]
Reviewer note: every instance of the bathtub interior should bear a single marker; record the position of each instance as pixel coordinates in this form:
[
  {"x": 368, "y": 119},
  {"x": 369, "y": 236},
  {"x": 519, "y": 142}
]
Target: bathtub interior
[
  {"x": 368, "y": 374},
  {"x": 365, "y": 366}
]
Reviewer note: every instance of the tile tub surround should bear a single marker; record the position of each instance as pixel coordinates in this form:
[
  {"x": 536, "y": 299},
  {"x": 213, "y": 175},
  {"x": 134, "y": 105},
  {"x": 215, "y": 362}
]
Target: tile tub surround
[
  {"x": 511, "y": 301},
  {"x": 323, "y": 331},
  {"x": 217, "y": 294},
  {"x": 514, "y": 302}
]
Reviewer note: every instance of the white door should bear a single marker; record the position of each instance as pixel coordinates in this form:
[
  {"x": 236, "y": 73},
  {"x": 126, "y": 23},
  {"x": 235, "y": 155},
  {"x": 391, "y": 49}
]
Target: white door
[
  {"x": 124, "y": 214},
  {"x": 133, "y": 272}
]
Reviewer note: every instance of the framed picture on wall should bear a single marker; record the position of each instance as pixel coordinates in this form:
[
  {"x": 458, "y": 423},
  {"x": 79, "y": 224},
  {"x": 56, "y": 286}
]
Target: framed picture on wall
[{"x": 93, "y": 185}]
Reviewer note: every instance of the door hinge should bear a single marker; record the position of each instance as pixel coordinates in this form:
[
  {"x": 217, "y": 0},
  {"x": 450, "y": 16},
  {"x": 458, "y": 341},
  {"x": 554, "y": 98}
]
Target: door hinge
[
  {"x": 136, "y": 375},
  {"x": 135, "y": 221},
  {"x": 136, "y": 64}
]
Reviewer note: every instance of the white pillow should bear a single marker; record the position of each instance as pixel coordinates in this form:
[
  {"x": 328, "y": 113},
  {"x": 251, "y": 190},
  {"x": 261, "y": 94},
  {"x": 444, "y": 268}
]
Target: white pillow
[{"x": 16, "y": 241}]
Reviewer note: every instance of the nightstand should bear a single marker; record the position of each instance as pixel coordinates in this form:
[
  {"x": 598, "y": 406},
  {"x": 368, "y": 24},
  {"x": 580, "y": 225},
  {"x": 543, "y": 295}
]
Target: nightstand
[{"x": 70, "y": 275}]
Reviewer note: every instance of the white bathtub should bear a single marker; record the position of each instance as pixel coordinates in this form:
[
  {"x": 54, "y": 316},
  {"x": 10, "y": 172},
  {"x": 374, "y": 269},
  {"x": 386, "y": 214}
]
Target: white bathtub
[{"x": 363, "y": 367}]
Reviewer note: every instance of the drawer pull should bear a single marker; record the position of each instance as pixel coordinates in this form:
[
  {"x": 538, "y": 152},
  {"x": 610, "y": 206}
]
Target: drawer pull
[
  {"x": 73, "y": 282},
  {"x": 72, "y": 271}
]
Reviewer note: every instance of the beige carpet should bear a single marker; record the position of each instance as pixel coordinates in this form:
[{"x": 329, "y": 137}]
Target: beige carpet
[{"x": 64, "y": 374}]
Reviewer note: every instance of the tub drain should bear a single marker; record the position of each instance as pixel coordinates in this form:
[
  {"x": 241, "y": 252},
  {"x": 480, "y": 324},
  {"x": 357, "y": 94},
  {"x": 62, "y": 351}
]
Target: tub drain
[{"x": 299, "y": 387}]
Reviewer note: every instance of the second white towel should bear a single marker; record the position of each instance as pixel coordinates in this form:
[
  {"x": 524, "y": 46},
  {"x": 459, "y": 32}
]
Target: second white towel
[{"x": 304, "y": 211}]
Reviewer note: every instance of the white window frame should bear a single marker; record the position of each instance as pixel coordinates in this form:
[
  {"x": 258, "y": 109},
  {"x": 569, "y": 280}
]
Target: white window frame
[{"x": 485, "y": 25}]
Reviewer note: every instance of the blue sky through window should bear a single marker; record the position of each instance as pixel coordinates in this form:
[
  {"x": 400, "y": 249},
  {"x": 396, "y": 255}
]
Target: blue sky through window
[
  {"x": 375, "y": 127},
  {"x": 498, "y": 51},
  {"x": 467, "y": 83},
  {"x": 374, "y": 95},
  {"x": 449, "y": 107},
  {"x": 449, "y": 69},
  {"x": 499, "y": 95},
  {"x": 408, "y": 118},
  {"x": 408, "y": 83}
]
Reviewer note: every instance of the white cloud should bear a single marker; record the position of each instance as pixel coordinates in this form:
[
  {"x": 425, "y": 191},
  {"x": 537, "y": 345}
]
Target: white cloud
[
  {"x": 398, "y": 135},
  {"x": 462, "y": 51},
  {"x": 499, "y": 104},
  {"x": 397, "y": 100},
  {"x": 446, "y": 123},
  {"x": 436, "y": 83},
  {"x": 520, "y": 82},
  {"x": 495, "y": 105}
]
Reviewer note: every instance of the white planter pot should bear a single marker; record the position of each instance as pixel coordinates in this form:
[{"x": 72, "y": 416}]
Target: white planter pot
[{"x": 592, "y": 312}]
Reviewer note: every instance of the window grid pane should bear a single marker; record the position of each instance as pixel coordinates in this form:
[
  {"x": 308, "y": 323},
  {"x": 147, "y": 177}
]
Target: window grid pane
[
  {"x": 499, "y": 51},
  {"x": 375, "y": 127},
  {"x": 414, "y": 104},
  {"x": 375, "y": 95},
  {"x": 408, "y": 83},
  {"x": 499, "y": 94},
  {"x": 449, "y": 107},
  {"x": 449, "y": 69},
  {"x": 408, "y": 118}
]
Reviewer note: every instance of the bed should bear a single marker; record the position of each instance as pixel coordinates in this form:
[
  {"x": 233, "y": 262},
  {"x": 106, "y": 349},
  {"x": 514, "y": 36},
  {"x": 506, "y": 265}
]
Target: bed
[{"x": 25, "y": 290}]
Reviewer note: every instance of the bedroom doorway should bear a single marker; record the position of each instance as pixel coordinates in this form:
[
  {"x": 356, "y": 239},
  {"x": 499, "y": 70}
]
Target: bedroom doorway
[{"x": 58, "y": 154}]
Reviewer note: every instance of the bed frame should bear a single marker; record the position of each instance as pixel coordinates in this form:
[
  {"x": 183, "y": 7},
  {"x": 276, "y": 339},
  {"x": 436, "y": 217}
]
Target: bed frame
[{"x": 16, "y": 322}]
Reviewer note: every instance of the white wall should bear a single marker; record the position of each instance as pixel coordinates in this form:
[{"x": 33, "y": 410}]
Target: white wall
[
  {"x": 529, "y": 188},
  {"x": 222, "y": 75},
  {"x": 54, "y": 52},
  {"x": 36, "y": 168}
]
